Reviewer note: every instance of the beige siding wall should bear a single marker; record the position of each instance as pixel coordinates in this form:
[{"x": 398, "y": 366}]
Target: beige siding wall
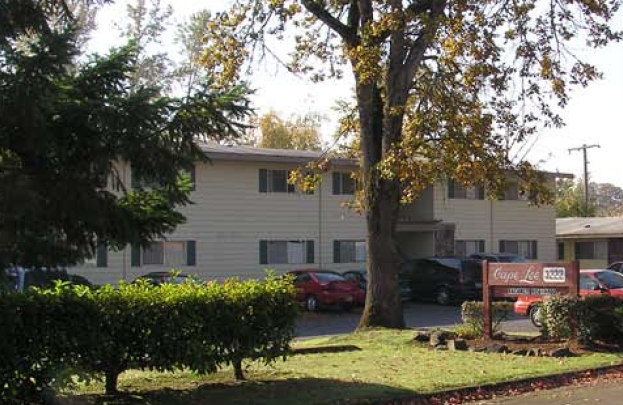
[
  {"x": 229, "y": 218},
  {"x": 493, "y": 221}
]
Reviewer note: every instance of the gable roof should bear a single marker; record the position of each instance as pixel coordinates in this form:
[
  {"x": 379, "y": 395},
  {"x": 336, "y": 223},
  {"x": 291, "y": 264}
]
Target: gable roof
[{"x": 589, "y": 227}]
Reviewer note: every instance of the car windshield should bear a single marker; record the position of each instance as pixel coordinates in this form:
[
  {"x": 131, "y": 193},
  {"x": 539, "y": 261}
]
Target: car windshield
[
  {"x": 328, "y": 277},
  {"x": 610, "y": 280}
]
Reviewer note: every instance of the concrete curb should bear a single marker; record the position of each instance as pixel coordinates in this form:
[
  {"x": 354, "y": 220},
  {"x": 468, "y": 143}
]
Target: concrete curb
[{"x": 506, "y": 388}]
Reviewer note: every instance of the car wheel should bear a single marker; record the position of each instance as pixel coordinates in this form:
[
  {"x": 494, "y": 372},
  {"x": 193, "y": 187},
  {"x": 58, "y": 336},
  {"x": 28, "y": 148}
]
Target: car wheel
[
  {"x": 535, "y": 316},
  {"x": 443, "y": 296},
  {"x": 311, "y": 304}
]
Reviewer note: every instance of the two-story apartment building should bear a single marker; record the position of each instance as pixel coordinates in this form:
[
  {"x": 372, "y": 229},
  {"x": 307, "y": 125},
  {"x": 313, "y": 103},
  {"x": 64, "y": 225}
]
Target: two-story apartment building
[{"x": 246, "y": 218}]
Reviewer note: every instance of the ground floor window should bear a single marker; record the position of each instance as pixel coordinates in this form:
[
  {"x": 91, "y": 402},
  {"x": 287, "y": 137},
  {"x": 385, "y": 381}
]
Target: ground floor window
[
  {"x": 528, "y": 249},
  {"x": 349, "y": 251},
  {"x": 165, "y": 253},
  {"x": 464, "y": 248},
  {"x": 591, "y": 250},
  {"x": 286, "y": 251},
  {"x": 561, "y": 251}
]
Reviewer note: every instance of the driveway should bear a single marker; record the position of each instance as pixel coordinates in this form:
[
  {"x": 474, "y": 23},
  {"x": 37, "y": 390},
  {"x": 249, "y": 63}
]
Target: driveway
[
  {"x": 605, "y": 393},
  {"x": 417, "y": 315}
]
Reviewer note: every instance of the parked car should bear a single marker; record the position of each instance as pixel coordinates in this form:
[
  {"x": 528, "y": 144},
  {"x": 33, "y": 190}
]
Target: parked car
[
  {"x": 497, "y": 257},
  {"x": 317, "y": 288},
  {"x": 592, "y": 282},
  {"x": 20, "y": 279},
  {"x": 360, "y": 277},
  {"x": 165, "y": 277},
  {"x": 444, "y": 280},
  {"x": 616, "y": 266}
]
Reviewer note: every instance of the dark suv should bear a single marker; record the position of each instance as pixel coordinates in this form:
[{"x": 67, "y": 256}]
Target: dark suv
[{"x": 444, "y": 280}]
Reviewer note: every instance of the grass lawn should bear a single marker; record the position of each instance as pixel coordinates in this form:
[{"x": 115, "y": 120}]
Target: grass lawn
[{"x": 388, "y": 365}]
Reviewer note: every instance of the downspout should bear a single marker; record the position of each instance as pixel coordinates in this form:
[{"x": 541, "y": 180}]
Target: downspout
[
  {"x": 320, "y": 225},
  {"x": 125, "y": 249}
]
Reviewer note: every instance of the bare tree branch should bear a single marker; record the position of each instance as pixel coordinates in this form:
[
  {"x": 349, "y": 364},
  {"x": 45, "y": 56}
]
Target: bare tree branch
[{"x": 348, "y": 35}]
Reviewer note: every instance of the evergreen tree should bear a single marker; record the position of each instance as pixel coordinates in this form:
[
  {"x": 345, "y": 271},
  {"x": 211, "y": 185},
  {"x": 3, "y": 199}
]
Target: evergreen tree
[{"x": 66, "y": 127}]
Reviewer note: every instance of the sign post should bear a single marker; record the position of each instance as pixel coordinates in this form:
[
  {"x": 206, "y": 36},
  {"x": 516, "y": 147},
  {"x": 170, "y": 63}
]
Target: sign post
[{"x": 526, "y": 279}]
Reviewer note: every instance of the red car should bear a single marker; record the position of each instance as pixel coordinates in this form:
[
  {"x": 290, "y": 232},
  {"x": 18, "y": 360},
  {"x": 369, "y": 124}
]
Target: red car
[
  {"x": 317, "y": 288},
  {"x": 592, "y": 282}
]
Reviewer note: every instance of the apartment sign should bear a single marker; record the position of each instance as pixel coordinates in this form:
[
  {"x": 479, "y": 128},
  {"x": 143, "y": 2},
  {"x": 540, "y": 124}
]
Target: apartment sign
[{"x": 511, "y": 280}]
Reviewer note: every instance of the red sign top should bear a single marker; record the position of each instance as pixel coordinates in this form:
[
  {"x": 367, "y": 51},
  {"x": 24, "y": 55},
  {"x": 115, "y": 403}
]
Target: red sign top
[{"x": 532, "y": 275}]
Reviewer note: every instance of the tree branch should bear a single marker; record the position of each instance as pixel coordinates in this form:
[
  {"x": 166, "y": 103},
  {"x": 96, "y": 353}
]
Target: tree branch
[
  {"x": 417, "y": 51},
  {"x": 354, "y": 15},
  {"x": 348, "y": 35}
]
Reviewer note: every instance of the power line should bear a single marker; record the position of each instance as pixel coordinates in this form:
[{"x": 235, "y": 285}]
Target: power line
[{"x": 584, "y": 149}]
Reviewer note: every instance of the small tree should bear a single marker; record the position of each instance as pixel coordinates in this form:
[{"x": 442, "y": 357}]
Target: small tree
[
  {"x": 298, "y": 132},
  {"x": 570, "y": 200}
]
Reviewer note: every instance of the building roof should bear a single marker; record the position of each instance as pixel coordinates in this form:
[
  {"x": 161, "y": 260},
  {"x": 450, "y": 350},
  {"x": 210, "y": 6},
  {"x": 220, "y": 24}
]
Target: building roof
[
  {"x": 590, "y": 227},
  {"x": 250, "y": 154}
]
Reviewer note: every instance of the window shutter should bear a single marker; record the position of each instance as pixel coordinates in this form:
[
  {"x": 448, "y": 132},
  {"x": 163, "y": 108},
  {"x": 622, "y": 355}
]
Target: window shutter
[
  {"x": 336, "y": 252},
  {"x": 263, "y": 180},
  {"x": 191, "y": 253},
  {"x": 480, "y": 193},
  {"x": 451, "y": 189},
  {"x": 193, "y": 177},
  {"x": 502, "y": 246},
  {"x": 336, "y": 183},
  {"x": 134, "y": 180},
  {"x": 481, "y": 246},
  {"x": 534, "y": 249},
  {"x": 102, "y": 255},
  {"x": 310, "y": 251},
  {"x": 291, "y": 188},
  {"x": 136, "y": 256},
  {"x": 263, "y": 252}
]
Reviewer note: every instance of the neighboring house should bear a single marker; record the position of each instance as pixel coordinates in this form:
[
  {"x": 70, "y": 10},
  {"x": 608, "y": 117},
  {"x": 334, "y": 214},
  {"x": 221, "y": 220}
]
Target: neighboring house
[
  {"x": 246, "y": 218},
  {"x": 595, "y": 241}
]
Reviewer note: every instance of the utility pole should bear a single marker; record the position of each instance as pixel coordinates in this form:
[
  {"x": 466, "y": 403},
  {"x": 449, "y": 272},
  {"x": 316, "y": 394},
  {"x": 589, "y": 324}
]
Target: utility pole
[{"x": 584, "y": 148}]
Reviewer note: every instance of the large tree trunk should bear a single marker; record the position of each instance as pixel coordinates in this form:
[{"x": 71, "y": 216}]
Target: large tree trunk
[{"x": 383, "y": 305}]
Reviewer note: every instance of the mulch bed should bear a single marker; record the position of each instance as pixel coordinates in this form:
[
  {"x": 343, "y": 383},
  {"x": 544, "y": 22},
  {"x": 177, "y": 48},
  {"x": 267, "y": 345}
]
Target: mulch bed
[{"x": 515, "y": 343}]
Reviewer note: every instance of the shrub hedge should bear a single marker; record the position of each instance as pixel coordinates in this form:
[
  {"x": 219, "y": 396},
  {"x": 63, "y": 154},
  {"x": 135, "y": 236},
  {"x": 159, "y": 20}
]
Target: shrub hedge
[
  {"x": 596, "y": 317},
  {"x": 472, "y": 315},
  {"x": 48, "y": 336}
]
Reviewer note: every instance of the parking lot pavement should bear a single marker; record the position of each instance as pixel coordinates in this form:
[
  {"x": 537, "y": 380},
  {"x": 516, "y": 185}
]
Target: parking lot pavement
[{"x": 417, "y": 315}]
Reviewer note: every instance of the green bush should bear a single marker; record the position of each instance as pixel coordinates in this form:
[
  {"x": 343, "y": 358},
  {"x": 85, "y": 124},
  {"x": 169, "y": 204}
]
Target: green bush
[
  {"x": 49, "y": 335},
  {"x": 472, "y": 315},
  {"x": 595, "y": 317}
]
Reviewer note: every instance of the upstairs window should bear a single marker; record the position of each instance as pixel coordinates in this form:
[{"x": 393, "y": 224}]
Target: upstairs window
[
  {"x": 275, "y": 181},
  {"x": 456, "y": 191},
  {"x": 343, "y": 183}
]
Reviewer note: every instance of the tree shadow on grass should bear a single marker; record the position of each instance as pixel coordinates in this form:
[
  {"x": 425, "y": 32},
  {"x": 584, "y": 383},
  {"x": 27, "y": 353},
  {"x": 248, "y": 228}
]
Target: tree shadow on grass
[{"x": 291, "y": 391}]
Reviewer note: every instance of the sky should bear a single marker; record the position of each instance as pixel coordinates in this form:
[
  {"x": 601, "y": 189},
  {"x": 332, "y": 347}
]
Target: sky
[{"x": 593, "y": 116}]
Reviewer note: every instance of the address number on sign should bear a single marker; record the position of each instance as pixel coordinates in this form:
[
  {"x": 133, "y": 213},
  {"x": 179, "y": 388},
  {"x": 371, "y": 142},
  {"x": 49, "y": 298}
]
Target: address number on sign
[{"x": 554, "y": 275}]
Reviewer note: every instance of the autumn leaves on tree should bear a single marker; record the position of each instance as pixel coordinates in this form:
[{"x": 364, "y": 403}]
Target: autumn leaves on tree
[{"x": 442, "y": 89}]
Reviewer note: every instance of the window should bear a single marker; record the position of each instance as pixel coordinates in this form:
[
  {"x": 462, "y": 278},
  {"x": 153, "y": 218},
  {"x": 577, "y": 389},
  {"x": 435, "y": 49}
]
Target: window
[
  {"x": 588, "y": 284},
  {"x": 275, "y": 181},
  {"x": 561, "y": 251},
  {"x": 349, "y": 251},
  {"x": 456, "y": 191},
  {"x": 138, "y": 182},
  {"x": 165, "y": 253},
  {"x": 464, "y": 248},
  {"x": 591, "y": 250},
  {"x": 511, "y": 193},
  {"x": 527, "y": 249},
  {"x": 343, "y": 183},
  {"x": 286, "y": 252}
]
